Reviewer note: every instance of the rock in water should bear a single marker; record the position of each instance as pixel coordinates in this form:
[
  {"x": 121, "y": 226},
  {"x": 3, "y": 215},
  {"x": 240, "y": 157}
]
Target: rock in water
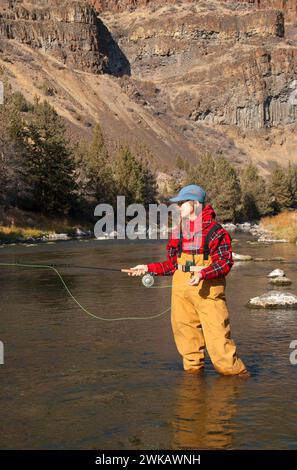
[
  {"x": 274, "y": 299},
  {"x": 238, "y": 257},
  {"x": 277, "y": 273},
  {"x": 280, "y": 281}
]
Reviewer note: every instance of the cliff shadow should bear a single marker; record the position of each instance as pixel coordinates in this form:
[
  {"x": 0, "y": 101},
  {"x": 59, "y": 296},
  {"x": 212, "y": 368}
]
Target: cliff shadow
[{"x": 118, "y": 64}]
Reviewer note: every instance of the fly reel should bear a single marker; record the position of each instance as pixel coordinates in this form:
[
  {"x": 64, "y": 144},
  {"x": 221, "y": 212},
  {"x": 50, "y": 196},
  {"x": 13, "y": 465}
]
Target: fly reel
[{"x": 148, "y": 280}]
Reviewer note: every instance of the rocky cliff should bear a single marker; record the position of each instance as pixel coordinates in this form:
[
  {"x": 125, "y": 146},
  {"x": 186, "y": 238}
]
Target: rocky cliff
[
  {"x": 288, "y": 7},
  {"x": 69, "y": 31},
  {"x": 183, "y": 77}
]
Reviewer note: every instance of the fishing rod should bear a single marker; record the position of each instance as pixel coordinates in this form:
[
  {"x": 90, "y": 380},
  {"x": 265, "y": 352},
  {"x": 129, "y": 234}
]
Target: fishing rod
[
  {"x": 147, "y": 279},
  {"x": 75, "y": 266},
  {"x": 51, "y": 267}
]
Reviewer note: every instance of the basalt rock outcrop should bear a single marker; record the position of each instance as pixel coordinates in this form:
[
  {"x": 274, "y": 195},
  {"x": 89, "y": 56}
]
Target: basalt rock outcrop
[
  {"x": 67, "y": 30},
  {"x": 183, "y": 77},
  {"x": 288, "y": 7},
  {"x": 223, "y": 68}
]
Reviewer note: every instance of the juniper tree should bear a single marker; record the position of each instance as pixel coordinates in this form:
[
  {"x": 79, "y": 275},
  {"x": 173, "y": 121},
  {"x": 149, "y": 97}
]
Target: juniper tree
[
  {"x": 97, "y": 171},
  {"x": 254, "y": 193},
  {"x": 12, "y": 152},
  {"x": 134, "y": 178},
  {"x": 280, "y": 196},
  {"x": 292, "y": 181},
  {"x": 220, "y": 181},
  {"x": 228, "y": 191},
  {"x": 203, "y": 174},
  {"x": 50, "y": 162}
]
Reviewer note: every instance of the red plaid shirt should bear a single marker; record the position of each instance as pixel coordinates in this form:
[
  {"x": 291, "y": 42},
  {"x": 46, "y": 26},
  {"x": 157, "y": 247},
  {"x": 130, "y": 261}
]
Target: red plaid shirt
[{"x": 219, "y": 246}]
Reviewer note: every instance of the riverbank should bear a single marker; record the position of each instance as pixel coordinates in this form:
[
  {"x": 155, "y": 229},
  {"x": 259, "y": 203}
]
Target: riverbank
[
  {"x": 18, "y": 226},
  {"x": 281, "y": 228},
  {"x": 25, "y": 227}
]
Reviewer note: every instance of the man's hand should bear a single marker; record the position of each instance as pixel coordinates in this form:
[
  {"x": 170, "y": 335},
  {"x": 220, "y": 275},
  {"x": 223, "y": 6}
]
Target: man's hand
[
  {"x": 194, "y": 281},
  {"x": 138, "y": 270}
]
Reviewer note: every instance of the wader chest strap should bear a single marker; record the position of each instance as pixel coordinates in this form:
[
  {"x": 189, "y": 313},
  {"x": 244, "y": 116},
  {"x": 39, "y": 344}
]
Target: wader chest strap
[{"x": 206, "y": 250}]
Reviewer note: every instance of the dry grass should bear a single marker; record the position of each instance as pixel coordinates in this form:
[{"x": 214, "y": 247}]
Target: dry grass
[
  {"x": 16, "y": 224},
  {"x": 15, "y": 233},
  {"x": 282, "y": 226}
]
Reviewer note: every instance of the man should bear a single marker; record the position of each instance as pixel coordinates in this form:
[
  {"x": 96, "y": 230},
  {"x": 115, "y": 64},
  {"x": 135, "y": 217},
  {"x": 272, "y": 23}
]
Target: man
[{"x": 199, "y": 260}]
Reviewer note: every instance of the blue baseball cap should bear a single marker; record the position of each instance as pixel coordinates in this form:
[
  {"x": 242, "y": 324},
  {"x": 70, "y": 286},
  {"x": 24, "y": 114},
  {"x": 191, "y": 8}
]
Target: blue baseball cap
[{"x": 192, "y": 192}]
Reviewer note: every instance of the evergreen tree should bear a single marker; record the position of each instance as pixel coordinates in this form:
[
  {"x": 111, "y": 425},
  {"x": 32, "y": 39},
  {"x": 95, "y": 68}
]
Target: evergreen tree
[
  {"x": 220, "y": 181},
  {"x": 148, "y": 184},
  {"x": 97, "y": 171},
  {"x": 50, "y": 162},
  {"x": 203, "y": 174},
  {"x": 134, "y": 178},
  {"x": 228, "y": 196},
  {"x": 292, "y": 181},
  {"x": 12, "y": 152},
  {"x": 279, "y": 191},
  {"x": 254, "y": 193}
]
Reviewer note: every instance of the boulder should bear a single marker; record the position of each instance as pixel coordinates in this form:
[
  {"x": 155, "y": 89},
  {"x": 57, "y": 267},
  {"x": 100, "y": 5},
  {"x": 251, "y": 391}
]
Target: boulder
[
  {"x": 280, "y": 281},
  {"x": 274, "y": 300},
  {"x": 80, "y": 233},
  {"x": 57, "y": 236},
  {"x": 229, "y": 227},
  {"x": 277, "y": 273}
]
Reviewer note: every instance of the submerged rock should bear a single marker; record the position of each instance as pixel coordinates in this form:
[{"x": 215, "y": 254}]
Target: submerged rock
[
  {"x": 57, "y": 236},
  {"x": 280, "y": 281},
  {"x": 277, "y": 273},
  {"x": 239, "y": 257},
  {"x": 274, "y": 299},
  {"x": 277, "y": 258},
  {"x": 265, "y": 238}
]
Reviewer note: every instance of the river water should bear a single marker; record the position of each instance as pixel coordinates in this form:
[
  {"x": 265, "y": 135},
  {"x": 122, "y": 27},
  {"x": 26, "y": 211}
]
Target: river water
[{"x": 70, "y": 381}]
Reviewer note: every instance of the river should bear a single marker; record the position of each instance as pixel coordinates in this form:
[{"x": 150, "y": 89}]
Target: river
[{"x": 70, "y": 381}]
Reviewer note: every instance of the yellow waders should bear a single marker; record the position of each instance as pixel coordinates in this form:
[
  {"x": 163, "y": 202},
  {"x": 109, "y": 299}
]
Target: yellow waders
[{"x": 200, "y": 318}]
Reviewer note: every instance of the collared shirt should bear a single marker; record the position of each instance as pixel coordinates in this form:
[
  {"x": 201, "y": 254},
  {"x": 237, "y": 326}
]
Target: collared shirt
[{"x": 219, "y": 245}]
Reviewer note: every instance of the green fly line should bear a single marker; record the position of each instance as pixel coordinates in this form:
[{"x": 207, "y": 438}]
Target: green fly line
[{"x": 65, "y": 286}]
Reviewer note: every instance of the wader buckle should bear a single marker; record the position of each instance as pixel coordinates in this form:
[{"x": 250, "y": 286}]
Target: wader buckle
[{"x": 186, "y": 267}]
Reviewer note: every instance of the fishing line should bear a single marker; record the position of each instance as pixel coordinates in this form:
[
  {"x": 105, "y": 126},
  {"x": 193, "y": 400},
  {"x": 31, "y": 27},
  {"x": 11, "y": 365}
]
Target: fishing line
[
  {"x": 53, "y": 268},
  {"x": 147, "y": 279}
]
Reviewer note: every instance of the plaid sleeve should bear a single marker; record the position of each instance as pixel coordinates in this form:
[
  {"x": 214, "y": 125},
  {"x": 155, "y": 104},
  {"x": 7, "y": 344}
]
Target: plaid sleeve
[
  {"x": 168, "y": 267},
  {"x": 221, "y": 253}
]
